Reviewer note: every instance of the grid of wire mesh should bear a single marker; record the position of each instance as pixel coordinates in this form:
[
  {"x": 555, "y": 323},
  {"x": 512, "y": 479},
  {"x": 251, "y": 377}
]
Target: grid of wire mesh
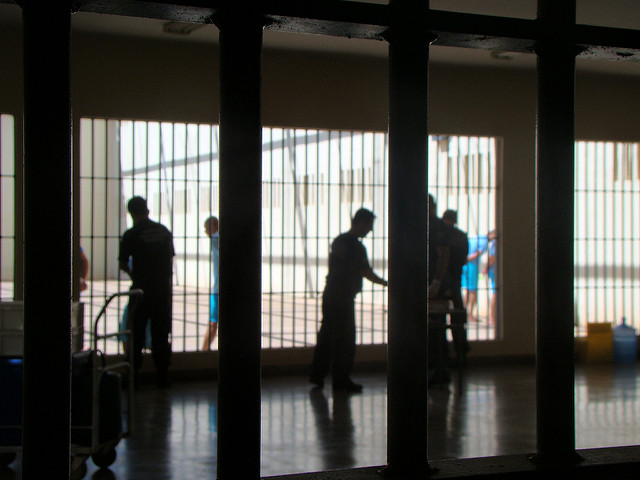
[
  {"x": 607, "y": 233},
  {"x": 463, "y": 178},
  {"x": 7, "y": 195},
  {"x": 313, "y": 181}
]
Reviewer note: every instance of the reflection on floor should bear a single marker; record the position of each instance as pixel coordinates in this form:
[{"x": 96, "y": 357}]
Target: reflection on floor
[{"x": 491, "y": 411}]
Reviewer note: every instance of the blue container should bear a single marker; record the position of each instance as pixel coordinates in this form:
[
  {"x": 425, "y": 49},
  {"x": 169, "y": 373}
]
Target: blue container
[
  {"x": 624, "y": 343},
  {"x": 10, "y": 401}
]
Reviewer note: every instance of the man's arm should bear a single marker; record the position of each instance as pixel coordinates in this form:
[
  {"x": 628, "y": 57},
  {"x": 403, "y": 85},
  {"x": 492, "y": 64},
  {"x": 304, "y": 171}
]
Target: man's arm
[
  {"x": 125, "y": 253},
  {"x": 124, "y": 266},
  {"x": 491, "y": 259},
  {"x": 474, "y": 255},
  {"x": 370, "y": 275},
  {"x": 84, "y": 270}
]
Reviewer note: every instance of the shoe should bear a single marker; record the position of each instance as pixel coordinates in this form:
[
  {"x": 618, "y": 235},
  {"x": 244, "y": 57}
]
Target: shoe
[{"x": 349, "y": 387}]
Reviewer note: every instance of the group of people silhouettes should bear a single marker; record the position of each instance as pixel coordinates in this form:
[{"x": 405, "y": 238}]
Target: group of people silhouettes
[
  {"x": 453, "y": 266},
  {"x": 147, "y": 251}
]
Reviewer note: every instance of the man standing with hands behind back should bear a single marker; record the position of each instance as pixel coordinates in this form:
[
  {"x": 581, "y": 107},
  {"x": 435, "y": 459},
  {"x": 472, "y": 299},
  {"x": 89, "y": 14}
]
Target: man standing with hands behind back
[
  {"x": 336, "y": 345},
  {"x": 149, "y": 245}
]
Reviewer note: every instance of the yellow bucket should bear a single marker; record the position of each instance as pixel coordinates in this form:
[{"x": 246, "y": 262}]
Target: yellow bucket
[{"x": 599, "y": 342}]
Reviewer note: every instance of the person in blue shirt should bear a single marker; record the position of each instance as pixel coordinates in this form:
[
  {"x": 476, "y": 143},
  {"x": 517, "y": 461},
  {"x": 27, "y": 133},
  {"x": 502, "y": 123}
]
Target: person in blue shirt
[
  {"x": 477, "y": 247},
  {"x": 458, "y": 258},
  {"x": 491, "y": 273},
  {"x": 211, "y": 229}
]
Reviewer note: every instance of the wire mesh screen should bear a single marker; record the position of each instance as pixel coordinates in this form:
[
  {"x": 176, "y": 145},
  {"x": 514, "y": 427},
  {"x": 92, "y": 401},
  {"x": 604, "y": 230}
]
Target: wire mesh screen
[
  {"x": 313, "y": 181},
  {"x": 607, "y": 233},
  {"x": 7, "y": 212},
  {"x": 463, "y": 178},
  {"x": 173, "y": 166}
]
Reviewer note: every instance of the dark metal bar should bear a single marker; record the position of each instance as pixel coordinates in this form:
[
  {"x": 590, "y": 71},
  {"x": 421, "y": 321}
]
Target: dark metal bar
[
  {"x": 554, "y": 234},
  {"x": 76, "y": 245},
  {"x": 407, "y": 349},
  {"x": 371, "y": 20},
  {"x": 47, "y": 299},
  {"x": 240, "y": 244},
  {"x": 271, "y": 235}
]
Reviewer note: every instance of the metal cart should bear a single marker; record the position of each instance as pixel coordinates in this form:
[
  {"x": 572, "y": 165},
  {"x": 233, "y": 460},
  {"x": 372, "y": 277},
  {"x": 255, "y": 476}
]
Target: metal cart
[{"x": 103, "y": 379}]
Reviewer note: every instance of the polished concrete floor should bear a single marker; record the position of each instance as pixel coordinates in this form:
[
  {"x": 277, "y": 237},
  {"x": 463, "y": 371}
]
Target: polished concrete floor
[{"x": 489, "y": 411}]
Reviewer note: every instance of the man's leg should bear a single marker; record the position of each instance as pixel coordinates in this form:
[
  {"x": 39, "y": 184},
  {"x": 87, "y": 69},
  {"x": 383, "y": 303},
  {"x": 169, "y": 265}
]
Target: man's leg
[
  {"x": 322, "y": 353},
  {"x": 492, "y": 299},
  {"x": 492, "y": 309},
  {"x": 470, "y": 304},
  {"x": 458, "y": 330},
  {"x": 210, "y": 334},
  {"x": 344, "y": 348},
  {"x": 137, "y": 317},
  {"x": 160, "y": 329},
  {"x": 437, "y": 349}
]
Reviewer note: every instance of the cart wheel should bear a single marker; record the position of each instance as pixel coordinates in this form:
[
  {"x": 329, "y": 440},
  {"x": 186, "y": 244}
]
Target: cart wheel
[
  {"x": 6, "y": 458},
  {"x": 104, "y": 458},
  {"x": 79, "y": 472}
]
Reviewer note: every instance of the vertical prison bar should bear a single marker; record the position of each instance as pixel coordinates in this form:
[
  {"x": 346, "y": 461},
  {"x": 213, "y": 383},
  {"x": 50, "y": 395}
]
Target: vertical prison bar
[
  {"x": 47, "y": 300},
  {"x": 240, "y": 246},
  {"x": 408, "y": 147},
  {"x": 554, "y": 233}
]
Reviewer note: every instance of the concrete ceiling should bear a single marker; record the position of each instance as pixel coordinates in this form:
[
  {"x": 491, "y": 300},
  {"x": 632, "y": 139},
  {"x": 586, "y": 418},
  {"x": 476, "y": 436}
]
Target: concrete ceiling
[{"x": 607, "y": 13}]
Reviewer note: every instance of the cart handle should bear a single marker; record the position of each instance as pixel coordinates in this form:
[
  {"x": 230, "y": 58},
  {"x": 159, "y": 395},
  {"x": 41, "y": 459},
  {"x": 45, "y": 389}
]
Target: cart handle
[{"x": 136, "y": 292}]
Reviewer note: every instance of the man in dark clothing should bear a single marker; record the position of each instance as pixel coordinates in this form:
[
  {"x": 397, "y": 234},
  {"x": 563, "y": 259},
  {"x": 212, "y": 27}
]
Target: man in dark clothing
[
  {"x": 149, "y": 245},
  {"x": 439, "y": 292},
  {"x": 457, "y": 259},
  {"x": 336, "y": 345}
]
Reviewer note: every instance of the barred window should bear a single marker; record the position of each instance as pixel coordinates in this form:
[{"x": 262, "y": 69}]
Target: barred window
[
  {"x": 312, "y": 183},
  {"x": 7, "y": 215}
]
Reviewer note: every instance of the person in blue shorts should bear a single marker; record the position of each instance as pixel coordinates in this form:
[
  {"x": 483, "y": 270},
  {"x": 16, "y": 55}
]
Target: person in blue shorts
[
  {"x": 477, "y": 247},
  {"x": 211, "y": 229},
  {"x": 491, "y": 273}
]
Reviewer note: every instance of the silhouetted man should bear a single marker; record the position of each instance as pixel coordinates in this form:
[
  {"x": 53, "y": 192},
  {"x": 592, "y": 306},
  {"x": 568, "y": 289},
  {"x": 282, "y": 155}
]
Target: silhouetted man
[
  {"x": 459, "y": 249},
  {"x": 439, "y": 251},
  {"x": 149, "y": 245},
  {"x": 336, "y": 345}
]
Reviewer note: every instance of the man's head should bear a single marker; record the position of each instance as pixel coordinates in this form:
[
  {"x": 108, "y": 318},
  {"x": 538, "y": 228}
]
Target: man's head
[
  {"x": 138, "y": 209},
  {"x": 362, "y": 222},
  {"x": 450, "y": 217},
  {"x": 433, "y": 212},
  {"x": 492, "y": 235},
  {"x": 211, "y": 226}
]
